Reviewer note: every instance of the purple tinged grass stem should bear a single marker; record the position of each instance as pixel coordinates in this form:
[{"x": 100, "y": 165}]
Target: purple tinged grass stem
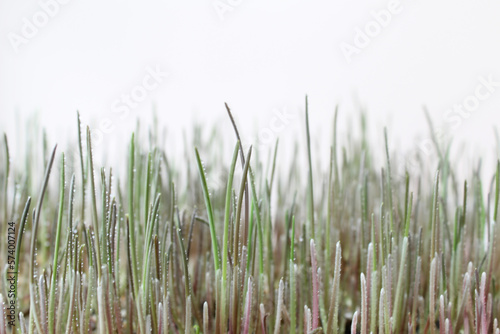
[
  {"x": 248, "y": 308},
  {"x": 442, "y": 315},
  {"x": 279, "y": 307},
  {"x": 205, "y": 317},
  {"x": 381, "y": 313},
  {"x": 43, "y": 301},
  {"x": 187, "y": 326},
  {"x": 389, "y": 185},
  {"x": 364, "y": 305},
  {"x": 354, "y": 323},
  {"x": 293, "y": 269},
  {"x": 372, "y": 288},
  {"x": 434, "y": 220},
  {"x": 315, "y": 286},
  {"x": 333, "y": 318},
  {"x": 263, "y": 317},
  {"x": 483, "y": 320},
  {"x": 307, "y": 320}
]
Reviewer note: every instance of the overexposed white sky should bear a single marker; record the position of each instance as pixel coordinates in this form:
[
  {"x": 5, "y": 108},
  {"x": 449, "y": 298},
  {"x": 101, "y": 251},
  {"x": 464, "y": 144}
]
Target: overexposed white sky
[{"x": 259, "y": 56}]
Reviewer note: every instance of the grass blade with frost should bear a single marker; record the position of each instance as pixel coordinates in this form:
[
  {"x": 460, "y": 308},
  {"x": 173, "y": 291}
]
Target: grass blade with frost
[
  {"x": 52, "y": 294},
  {"x": 310, "y": 180},
  {"x": 333, "y": 320},
  {"x": 225, "y": 243}
]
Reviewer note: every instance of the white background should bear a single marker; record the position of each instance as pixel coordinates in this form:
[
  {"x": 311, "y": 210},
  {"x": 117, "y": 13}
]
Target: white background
[{"x": 263, "y": 55}]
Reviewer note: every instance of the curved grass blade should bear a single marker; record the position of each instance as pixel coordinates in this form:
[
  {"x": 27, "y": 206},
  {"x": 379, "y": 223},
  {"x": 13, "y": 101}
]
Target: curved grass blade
[
  {"x": 208, "y": 203},
  {"x": 34, "y": 232}
]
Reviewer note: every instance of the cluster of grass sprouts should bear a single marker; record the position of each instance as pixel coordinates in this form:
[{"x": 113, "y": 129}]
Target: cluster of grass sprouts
[{"x": 146, "y": 245}]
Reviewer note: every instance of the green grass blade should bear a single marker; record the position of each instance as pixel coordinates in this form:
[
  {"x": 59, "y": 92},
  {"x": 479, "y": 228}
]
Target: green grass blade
[
  {"x": 333, "y": 319},
  {"x": 52, "y": 294},
  {"x": 389, "y": 185},
  {"x": 225, "y": 243},
  {"x": 310, "y": 184},
  {"x": 95, "y": 220},
  {"x": 210, "y": 213}
]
